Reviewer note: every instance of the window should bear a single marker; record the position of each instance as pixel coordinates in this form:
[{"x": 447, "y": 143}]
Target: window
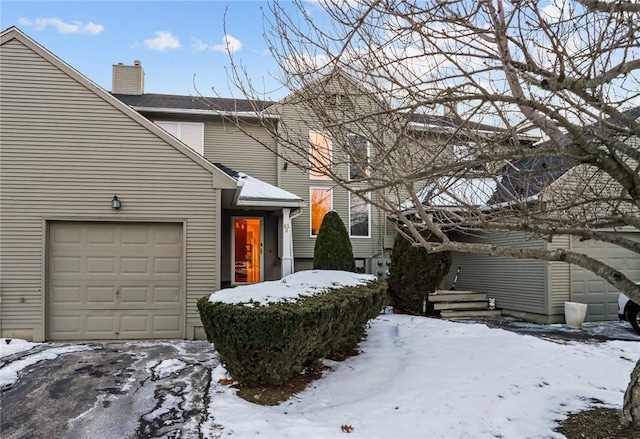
[
  {"x": 190, "y": 133},
  {"x": 320, "y": 156},
  {"x": 321, "y": 203},
  {"x": 360, "y": 151},
  {"x": 463, "y": 151},
  {"x": 359, "y": 217}
]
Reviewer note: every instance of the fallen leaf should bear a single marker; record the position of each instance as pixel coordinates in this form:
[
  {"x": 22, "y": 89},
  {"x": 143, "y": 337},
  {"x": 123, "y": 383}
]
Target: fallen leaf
[
  {"x": 346, "y": 428},
  {"x": 225, "y": 381}
]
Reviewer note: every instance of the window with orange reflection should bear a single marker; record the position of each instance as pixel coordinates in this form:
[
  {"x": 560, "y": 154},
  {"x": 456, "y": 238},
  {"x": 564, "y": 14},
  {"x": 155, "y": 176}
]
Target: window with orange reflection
[
  {"x": 321, "y": 203},
  {"x": 320, "y": 155}
]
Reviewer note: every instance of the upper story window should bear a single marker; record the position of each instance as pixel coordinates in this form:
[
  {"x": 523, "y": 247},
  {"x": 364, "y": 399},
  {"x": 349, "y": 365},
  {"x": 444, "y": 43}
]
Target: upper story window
[
  {"x": 360, "y": 153},
  {"x": 321, "y": 203},
  {"x": 359, "y": 217},
  {"x": 190, "y": 133},
  {"x": 319, "y": 156},
  {"x": 463, "y": 151}
]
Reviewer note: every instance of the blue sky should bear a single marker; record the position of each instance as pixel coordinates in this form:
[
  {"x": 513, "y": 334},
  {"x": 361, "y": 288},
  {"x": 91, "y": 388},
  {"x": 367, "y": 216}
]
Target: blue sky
[{"x": 174, "y": 40}]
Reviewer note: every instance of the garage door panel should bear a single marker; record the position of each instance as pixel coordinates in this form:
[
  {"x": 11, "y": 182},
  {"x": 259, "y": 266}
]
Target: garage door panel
[
  {"x": 65, "y": 295},
  {"x": 135, "y": 295},
  {"x": 167, "y": 295},
  {"x": 66, "y": 264},
  {"x": 167, "y": 266},
  {"x": 101, "y": 265},
  {"x": 113, "y": 281},
  {"x": 600, "y": 295},
  {"x": 134, "y": 265},
  {"x": 100, "y": 234}
]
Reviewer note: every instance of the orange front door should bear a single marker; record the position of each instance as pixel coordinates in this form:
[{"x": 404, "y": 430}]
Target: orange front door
[{"x": 247, "y": 250}]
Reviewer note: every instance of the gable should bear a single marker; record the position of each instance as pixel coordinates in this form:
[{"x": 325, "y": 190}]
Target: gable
[{"x": 59, "y": 103}]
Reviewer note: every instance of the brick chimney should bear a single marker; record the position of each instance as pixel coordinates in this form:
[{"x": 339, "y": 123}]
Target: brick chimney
[{"x": 128, "y": 80}]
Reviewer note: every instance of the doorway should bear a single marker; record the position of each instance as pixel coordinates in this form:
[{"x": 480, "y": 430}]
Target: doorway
[{"x": 246, "y": 250}]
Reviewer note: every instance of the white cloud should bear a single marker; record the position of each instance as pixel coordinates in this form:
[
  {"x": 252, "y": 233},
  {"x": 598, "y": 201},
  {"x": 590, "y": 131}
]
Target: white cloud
[
  {"x": 230, "y": 44},
  {"x": 200, "y": 46},
  {"x": 163, "y": 41},
  {"x": 62, "y": 27}
]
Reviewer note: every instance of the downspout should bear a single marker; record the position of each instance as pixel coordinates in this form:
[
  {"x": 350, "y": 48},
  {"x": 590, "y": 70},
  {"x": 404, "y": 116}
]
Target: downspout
[
  {"x": 381, "y": 225},
  {"x": 294, "y": 214}
]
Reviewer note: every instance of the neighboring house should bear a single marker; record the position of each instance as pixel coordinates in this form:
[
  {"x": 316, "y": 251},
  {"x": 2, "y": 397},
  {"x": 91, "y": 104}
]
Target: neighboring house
[{"x": 534, "y": 289}]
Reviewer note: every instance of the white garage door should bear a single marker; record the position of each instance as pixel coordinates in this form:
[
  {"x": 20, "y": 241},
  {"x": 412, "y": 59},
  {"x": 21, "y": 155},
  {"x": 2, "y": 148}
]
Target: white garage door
[
  {"x": 601, "y": 296},
  {"x": 115, "y": 281}
]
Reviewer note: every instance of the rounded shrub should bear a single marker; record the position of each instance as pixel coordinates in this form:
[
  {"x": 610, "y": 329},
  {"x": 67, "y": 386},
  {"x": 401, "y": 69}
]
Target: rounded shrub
[
  {"x": 415, "y": 273},
  {"x": 333, "y": 250}
]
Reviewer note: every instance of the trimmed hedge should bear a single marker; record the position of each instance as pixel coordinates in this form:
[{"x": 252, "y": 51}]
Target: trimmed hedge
[{"x": 267, "y": 344}]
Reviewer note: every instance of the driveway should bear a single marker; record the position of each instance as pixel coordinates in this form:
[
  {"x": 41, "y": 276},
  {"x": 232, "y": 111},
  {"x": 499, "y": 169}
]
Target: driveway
[{"x": 109, "y": 390}]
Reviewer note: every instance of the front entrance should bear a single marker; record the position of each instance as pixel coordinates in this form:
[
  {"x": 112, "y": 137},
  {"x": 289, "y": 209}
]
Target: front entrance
[{"x": 247, "y": 250}]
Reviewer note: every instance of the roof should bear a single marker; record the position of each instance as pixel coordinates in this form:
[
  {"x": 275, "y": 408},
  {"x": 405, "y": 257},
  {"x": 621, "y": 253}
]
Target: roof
[
  {"x": 527, "y": 177},
  {"x": 192, "y": 104},
  {"x": 454, "y": 192},
  {"x": 255, "y": 192},
  {"x": 452, "y": 122}
]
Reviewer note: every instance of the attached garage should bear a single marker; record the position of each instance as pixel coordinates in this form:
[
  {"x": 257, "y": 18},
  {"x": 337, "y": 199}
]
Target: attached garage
[
  {"x": 115, "y": 280},
  {"x": 586, "y": 287},
  {"x": 74, "y": 265}
]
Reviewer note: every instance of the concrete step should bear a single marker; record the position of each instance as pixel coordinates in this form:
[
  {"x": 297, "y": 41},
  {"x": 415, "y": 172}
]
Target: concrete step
[
  {"x": 465, "y": 297},
  {"x": 437, "y": 292},
  {"x": 453, "y": 314},
  {"x": 483, "y": 304}
]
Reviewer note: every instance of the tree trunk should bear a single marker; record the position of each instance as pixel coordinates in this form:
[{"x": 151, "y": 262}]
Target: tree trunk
[{"x": 631, "y": 406}]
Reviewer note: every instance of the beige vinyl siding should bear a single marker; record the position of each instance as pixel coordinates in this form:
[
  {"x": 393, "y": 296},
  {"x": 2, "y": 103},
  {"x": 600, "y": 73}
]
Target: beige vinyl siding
[
  {"x": 559, "y": 277},
  {"x": 296, "y": 123},
  {"x": 229, "y": 145},
  {"x": 64, "y": 153},
  {"x": 517, "y": 284}
]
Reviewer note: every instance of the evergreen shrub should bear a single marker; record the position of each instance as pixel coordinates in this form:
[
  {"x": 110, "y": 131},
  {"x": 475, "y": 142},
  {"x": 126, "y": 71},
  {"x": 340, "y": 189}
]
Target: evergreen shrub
[
  {"x": 266, "y": 344},
  {"x": 414, "y": 273},
  {"x": 333, "y": 250}
]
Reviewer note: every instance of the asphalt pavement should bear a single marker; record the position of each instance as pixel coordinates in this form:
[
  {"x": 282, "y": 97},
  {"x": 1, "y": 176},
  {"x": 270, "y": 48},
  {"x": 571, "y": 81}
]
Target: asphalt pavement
[{"x": 111, "y": 390}]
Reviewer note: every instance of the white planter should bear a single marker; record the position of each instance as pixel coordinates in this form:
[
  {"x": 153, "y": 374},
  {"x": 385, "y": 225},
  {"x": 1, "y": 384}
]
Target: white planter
[{"x": 574, "y": 314}]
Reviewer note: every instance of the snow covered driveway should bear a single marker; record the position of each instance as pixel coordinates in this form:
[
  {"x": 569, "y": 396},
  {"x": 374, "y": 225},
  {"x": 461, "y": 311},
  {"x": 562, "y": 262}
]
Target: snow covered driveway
[{"x": 106, "y": 390}]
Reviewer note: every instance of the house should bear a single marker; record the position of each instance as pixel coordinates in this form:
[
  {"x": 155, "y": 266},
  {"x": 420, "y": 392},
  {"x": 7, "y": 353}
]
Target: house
[
  {"x": 231, "y": 134},
  {"x": 536, "y": 290},
  {"x": 111, "y": 227},
  {"x": 120, "y": 210}
]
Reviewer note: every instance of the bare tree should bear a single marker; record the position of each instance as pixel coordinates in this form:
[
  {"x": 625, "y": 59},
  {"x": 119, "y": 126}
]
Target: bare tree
[{"x": 434, "y": 109}]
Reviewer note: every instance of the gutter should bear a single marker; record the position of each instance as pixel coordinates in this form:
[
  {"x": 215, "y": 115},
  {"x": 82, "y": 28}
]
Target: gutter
[{"x": 240, "y": 114}]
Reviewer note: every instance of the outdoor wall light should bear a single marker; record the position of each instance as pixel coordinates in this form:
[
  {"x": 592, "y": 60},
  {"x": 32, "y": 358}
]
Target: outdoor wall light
[{"x": 115, "y": 203}]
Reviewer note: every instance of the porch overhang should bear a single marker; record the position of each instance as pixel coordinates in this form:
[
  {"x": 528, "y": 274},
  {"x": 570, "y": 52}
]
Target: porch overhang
[{"x": 253, "y": 193}]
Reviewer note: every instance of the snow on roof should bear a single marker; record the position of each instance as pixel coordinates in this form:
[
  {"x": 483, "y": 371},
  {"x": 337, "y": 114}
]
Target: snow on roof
[
  {"x": 254, "y": 189},
  {"x": 302, "y": 283},
  {"x": 455, "y": 191}
]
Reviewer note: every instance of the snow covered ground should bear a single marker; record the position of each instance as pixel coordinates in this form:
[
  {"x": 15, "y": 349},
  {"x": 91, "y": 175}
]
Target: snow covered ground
[
  {"x": 422, "y": 377},
  {"x": 419, "y": 377}
]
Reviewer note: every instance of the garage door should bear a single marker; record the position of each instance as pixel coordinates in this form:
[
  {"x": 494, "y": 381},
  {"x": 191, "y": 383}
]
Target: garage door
[
  {"x": 115, "y": 281},
  {"x": 601, "y": 296}
]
